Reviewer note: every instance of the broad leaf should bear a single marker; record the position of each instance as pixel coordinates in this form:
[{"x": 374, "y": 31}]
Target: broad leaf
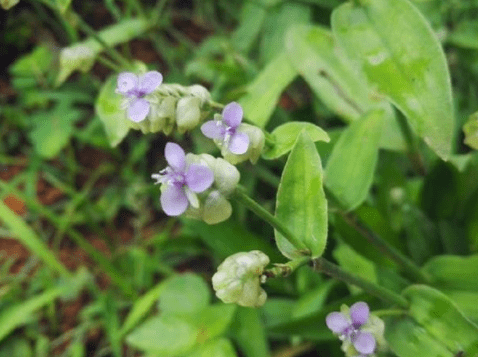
[
  {"x": 285, "y": 136},
  {"x": 185, "y": 295},
  {"x": 401, "y": 57},
  {"x": 336, "y": 80},
  {"x": 221, "y": 347},
  {"x": 350, "y": 168},
  {"x": 454, "y": 272},
  {"x": 248, "y": 332},
  {"x": 301, "y": 205},
  {"x": 437, "y": 314}
]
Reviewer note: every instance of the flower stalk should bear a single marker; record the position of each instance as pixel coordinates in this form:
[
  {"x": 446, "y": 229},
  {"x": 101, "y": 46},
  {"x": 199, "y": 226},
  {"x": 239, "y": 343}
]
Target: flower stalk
[{"x": 324, "y": 266}]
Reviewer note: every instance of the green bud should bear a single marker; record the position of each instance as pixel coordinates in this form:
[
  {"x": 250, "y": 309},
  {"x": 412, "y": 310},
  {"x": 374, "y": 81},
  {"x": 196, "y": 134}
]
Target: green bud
[
  {"x": 214, "y": 206},
  {"x": 237, "y": 279},
  {"x": 188, "y": 113}
]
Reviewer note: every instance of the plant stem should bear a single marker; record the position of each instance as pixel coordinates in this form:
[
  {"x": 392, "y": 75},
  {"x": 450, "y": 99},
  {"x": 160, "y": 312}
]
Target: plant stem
[
  {"x": 322, "y": 265},
  {"x": 390, "y": 312},
  {"x": 110, "y": 50},
  {"x": 283, "y": 270},
  {"x": 412, "y": 146},
  {"x": 386, "y": 248},
  {"x": 243, "y": 198}
]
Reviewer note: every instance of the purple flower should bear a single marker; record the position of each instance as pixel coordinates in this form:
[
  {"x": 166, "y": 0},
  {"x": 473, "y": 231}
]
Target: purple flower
[
  {"x": 182, "y": 181},
  {"x": 348, "y": 327},
  {"x": 226, "y": 130},
  {"x": 134, "y": 88}
]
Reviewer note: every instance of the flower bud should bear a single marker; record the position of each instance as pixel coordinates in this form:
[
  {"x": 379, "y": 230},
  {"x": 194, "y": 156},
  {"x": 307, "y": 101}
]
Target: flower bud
[
  {"x": 237, "y": 279},
  {"x": 214, "y": 206},
  {"x": 188, "y": 113},
  {"x": 256, "y": 144}
]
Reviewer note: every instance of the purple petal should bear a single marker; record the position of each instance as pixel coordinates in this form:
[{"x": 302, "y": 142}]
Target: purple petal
[
  {"x": 174, "y": 201},
  {"x": 239, "y": 143},
  {"x": 337, "y": 322},
  {"x": 199, "y": 178},
  {"x": 149, "y": 81},
  {"x": 232, "y": 114},
  {"x": 175, "y": 157},
  {"x": 126, "y": 82},
  {"x": 213, "y": 129},
  {"x": 359, "y": 312},
  {"x": 138, "y": 110},
  {"x": 364, "y": 342}
]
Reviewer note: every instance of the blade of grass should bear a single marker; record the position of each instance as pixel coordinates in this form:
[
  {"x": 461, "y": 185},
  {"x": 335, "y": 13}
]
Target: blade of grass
[
  {"x": 19, "y": 314},
  {"x": 116, "y": 276},
  {"x": 21, "y": 231}
]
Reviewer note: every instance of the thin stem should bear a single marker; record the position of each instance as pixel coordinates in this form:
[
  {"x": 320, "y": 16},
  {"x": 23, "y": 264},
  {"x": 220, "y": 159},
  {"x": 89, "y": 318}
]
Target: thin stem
[
  {"x": 322, "y": 265},
  {"x": 283, "y": 270},
  {"x": 243, "y": 198},
  {"x": 386, "y": 248},
  {"x": 413, "y": 152},
  {"x": 110, "y": 50},
  {"x": 157, "y": 11}
]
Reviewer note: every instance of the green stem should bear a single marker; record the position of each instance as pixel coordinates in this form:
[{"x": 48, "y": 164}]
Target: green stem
[
  {"x": 157, "y": 11},
  {"x": 260, "y": 211},
  {"x": 283, "y": 270},
  {"x": 413, "y": 152},
  {"x": 110, "y": 50},
  {"x": 386, "y": 248},
  {"x": 322, "y": 265}
]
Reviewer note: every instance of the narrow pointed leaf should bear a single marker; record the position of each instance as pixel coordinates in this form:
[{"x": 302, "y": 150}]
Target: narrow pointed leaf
[
  {"x": 301, "y": 205},
  {"x": 350, "y": 168},
  {"x": 401, "y": 57}
]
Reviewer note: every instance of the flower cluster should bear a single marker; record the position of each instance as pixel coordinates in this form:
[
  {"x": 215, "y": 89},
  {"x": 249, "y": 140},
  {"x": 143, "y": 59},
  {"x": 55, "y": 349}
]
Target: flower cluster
[
  {"x": 238, "y": 141},
  {"x": 360, "y": 331},
  {"x": 152, "y": 106},
  {"x": 196, "y": 185},
  {"x": 237, "y": 279}
]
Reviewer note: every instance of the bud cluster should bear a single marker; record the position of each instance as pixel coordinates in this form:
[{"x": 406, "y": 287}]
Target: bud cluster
[{"x": 196, "y": 185}]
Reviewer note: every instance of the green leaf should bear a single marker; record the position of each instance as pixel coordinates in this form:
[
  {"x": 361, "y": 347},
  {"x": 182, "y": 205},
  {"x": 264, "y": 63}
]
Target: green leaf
[
  {"x": 465, "y": 34},
  {"x": 166, "y": 335},
  {"x": 249, "y": 333},
  {"x": 285, "y": 136},
  {"x": 19, "y": 314},
  {"x": 184, "y": 295},
  {"x": 212, "y": 321},
  {"x": 53, "y": 129},
  {"x": 15, "y": 347},
  {"x": 301, "y": 205},
  {"x": 263, "y": 94},
  {"x": 81, "y": 56},
  {"x": 141, "y": 307},
  {"x": 350, "y": 168},
  {"x": 108, "y": 109},
  {"x": 401, "y": 57},
  {"x": 441, "y": 319},
  {"x": 408, "y": 339},
  {"x": 8, "y": 4},
  {"x": 336, "y": 80},
  {"x": 471, "y": 131},
  {"x": 35, "y": 64},
  {"x": 20, "y": 230},
  {"x": 313, "y": 301},
  {"x": 453, "y": 272},
  {"x": 221, "y": 347},
  {"x": 229, "y": 237},
  {"x": 353, "y": 262},
  {"x": 279, "y": 19},
  {"x": 251, "y": 20}
]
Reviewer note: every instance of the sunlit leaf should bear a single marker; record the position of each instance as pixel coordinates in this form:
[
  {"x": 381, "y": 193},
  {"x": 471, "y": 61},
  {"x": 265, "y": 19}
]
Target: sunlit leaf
[
  {"x": 404, "y": 61},
  {"x": 301, "y": 205},
  {"x": 350, "y": 168}
]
